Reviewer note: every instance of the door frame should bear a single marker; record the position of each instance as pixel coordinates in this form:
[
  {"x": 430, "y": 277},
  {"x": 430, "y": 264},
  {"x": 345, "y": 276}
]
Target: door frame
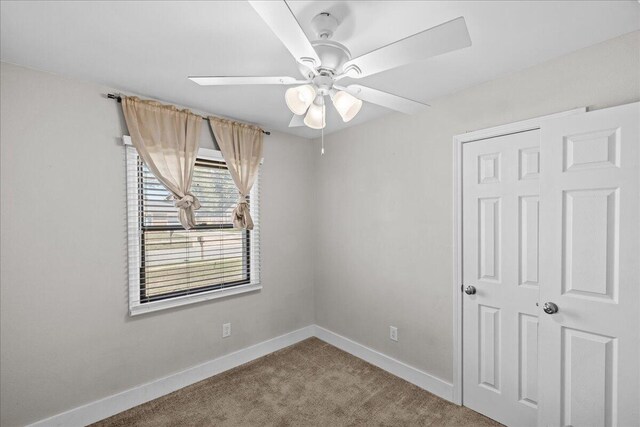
[{"x": 458, "y": 141}]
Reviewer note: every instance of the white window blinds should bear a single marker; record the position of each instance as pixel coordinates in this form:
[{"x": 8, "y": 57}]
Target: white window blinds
[{"x": 172, "y": 266}]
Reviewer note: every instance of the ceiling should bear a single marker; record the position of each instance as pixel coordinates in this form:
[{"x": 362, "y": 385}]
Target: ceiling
[{"x": 151, "y": 47}]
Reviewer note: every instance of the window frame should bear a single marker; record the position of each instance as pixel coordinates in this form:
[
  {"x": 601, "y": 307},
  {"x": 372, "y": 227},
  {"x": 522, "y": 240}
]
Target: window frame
[{"x": 135, "y": 233}]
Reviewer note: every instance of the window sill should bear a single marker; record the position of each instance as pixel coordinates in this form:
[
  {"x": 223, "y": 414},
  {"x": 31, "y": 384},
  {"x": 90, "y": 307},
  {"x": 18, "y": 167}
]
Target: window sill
[{"x": 150, "y": 307}]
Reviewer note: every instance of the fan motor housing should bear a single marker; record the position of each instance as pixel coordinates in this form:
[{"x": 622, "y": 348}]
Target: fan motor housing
[{"x": 332, "y": 55}]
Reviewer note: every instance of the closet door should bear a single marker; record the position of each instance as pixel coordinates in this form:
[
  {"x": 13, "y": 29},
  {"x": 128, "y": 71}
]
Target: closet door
[
  {"x": 500, "y": 276},
  {"x": 590, "y": 269}
]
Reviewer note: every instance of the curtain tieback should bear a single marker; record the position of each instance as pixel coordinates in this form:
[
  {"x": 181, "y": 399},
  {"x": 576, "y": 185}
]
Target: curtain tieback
[
  {"x": 186, "y": 202},
  {"x": 242, "y": 200},
  {"x": 241, "y": 210},
  {"x": 242, "y": 214}
]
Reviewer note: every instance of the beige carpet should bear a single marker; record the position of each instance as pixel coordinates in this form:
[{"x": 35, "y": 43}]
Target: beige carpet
[{"x": 308, "y": 384}]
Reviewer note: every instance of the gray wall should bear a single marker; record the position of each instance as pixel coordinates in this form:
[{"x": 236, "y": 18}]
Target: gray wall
[
  {"x": 385, "y": 201},
  {"x": 66, "y": 338}
]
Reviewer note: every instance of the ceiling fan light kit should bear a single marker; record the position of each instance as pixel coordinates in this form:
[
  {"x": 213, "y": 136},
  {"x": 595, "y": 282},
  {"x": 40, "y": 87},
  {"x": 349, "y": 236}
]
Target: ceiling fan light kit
[
  {"x": 299, "y": 98},
  {"x": 346, "y": 104},
  {"x": 315, "y": 118},
  {"x": 324, "y": 62}
]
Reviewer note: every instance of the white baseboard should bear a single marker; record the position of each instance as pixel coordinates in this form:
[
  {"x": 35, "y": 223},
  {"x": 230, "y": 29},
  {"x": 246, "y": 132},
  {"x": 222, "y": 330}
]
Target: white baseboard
[
  {"x": 408, "y": 373},
  {"x": 111, "y": 405},
  {"x": 114, "y": 404}
]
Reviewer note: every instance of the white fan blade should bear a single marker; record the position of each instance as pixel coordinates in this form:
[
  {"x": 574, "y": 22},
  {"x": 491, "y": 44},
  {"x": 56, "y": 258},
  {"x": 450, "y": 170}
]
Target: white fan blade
[
  {"x": 388, "y": 100},
  {"x": 224, "y": 80},
  {"x": 283, "y": 23},
  {"x": 444, "y": 38},
  {"x": 296, "y": 121}
]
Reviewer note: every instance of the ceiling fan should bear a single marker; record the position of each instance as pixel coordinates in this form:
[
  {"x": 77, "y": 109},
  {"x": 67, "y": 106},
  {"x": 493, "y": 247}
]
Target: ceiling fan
[{"x": 324, "y": 62}]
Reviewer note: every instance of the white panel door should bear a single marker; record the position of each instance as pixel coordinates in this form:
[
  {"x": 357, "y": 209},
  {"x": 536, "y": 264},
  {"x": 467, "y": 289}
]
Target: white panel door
[
  {"x": 590, "y": 268},
  {"x": 500, "y": 260}
]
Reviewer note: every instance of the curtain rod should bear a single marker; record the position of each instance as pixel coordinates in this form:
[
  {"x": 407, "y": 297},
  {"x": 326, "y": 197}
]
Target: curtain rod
[{"x": 119, "y": 99}]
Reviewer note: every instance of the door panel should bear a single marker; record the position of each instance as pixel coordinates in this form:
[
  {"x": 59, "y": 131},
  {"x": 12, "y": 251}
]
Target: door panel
[
  {"x": 489, "y": 352},
  {"x": 590, "y": 222},
  {"x": 589, "y": 266},
  {"x": 500, "y": 258},
  {"x": 528, "y": 367},
  {"x": 588, "y": 361},
  {"x": 489, "y": 247},
  {"x": 528, "y": 236}
]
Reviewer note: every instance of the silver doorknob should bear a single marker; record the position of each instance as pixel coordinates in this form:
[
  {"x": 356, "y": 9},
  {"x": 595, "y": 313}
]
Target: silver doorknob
[
  {"x": 550, "y": 308},
  {"x": 470, "y": 290}
]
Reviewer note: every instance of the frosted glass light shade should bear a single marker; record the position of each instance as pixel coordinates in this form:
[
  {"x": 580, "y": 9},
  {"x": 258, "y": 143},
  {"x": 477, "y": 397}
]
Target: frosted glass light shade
[
  {"x": 299, "y": 98},
  {"x": 346, "y": 104},
  {"x": 315, "y": 116}
]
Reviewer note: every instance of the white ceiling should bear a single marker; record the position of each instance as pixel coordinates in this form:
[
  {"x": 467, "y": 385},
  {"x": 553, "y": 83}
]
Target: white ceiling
[{"x": 151, "y": 47}]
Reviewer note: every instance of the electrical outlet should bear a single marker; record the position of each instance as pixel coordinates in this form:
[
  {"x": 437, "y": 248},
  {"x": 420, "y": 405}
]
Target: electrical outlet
[
  {"x": 393, "y": 333},
  {"x": 226, "y": 330}
]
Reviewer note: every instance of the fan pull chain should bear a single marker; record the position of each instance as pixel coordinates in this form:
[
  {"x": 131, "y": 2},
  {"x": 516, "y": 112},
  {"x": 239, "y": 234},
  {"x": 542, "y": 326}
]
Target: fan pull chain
[{"x": 322, "y": 129}]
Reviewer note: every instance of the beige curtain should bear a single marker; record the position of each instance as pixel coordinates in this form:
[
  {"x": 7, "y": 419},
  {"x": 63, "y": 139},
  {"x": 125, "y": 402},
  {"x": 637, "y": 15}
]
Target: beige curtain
[
  {"x": 167, "y": 139},
  {"x": 241, "y": 147}
]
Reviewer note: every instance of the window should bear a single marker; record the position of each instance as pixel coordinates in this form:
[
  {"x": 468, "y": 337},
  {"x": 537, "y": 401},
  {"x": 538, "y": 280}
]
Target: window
[{"x": 170, "y": 266}]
